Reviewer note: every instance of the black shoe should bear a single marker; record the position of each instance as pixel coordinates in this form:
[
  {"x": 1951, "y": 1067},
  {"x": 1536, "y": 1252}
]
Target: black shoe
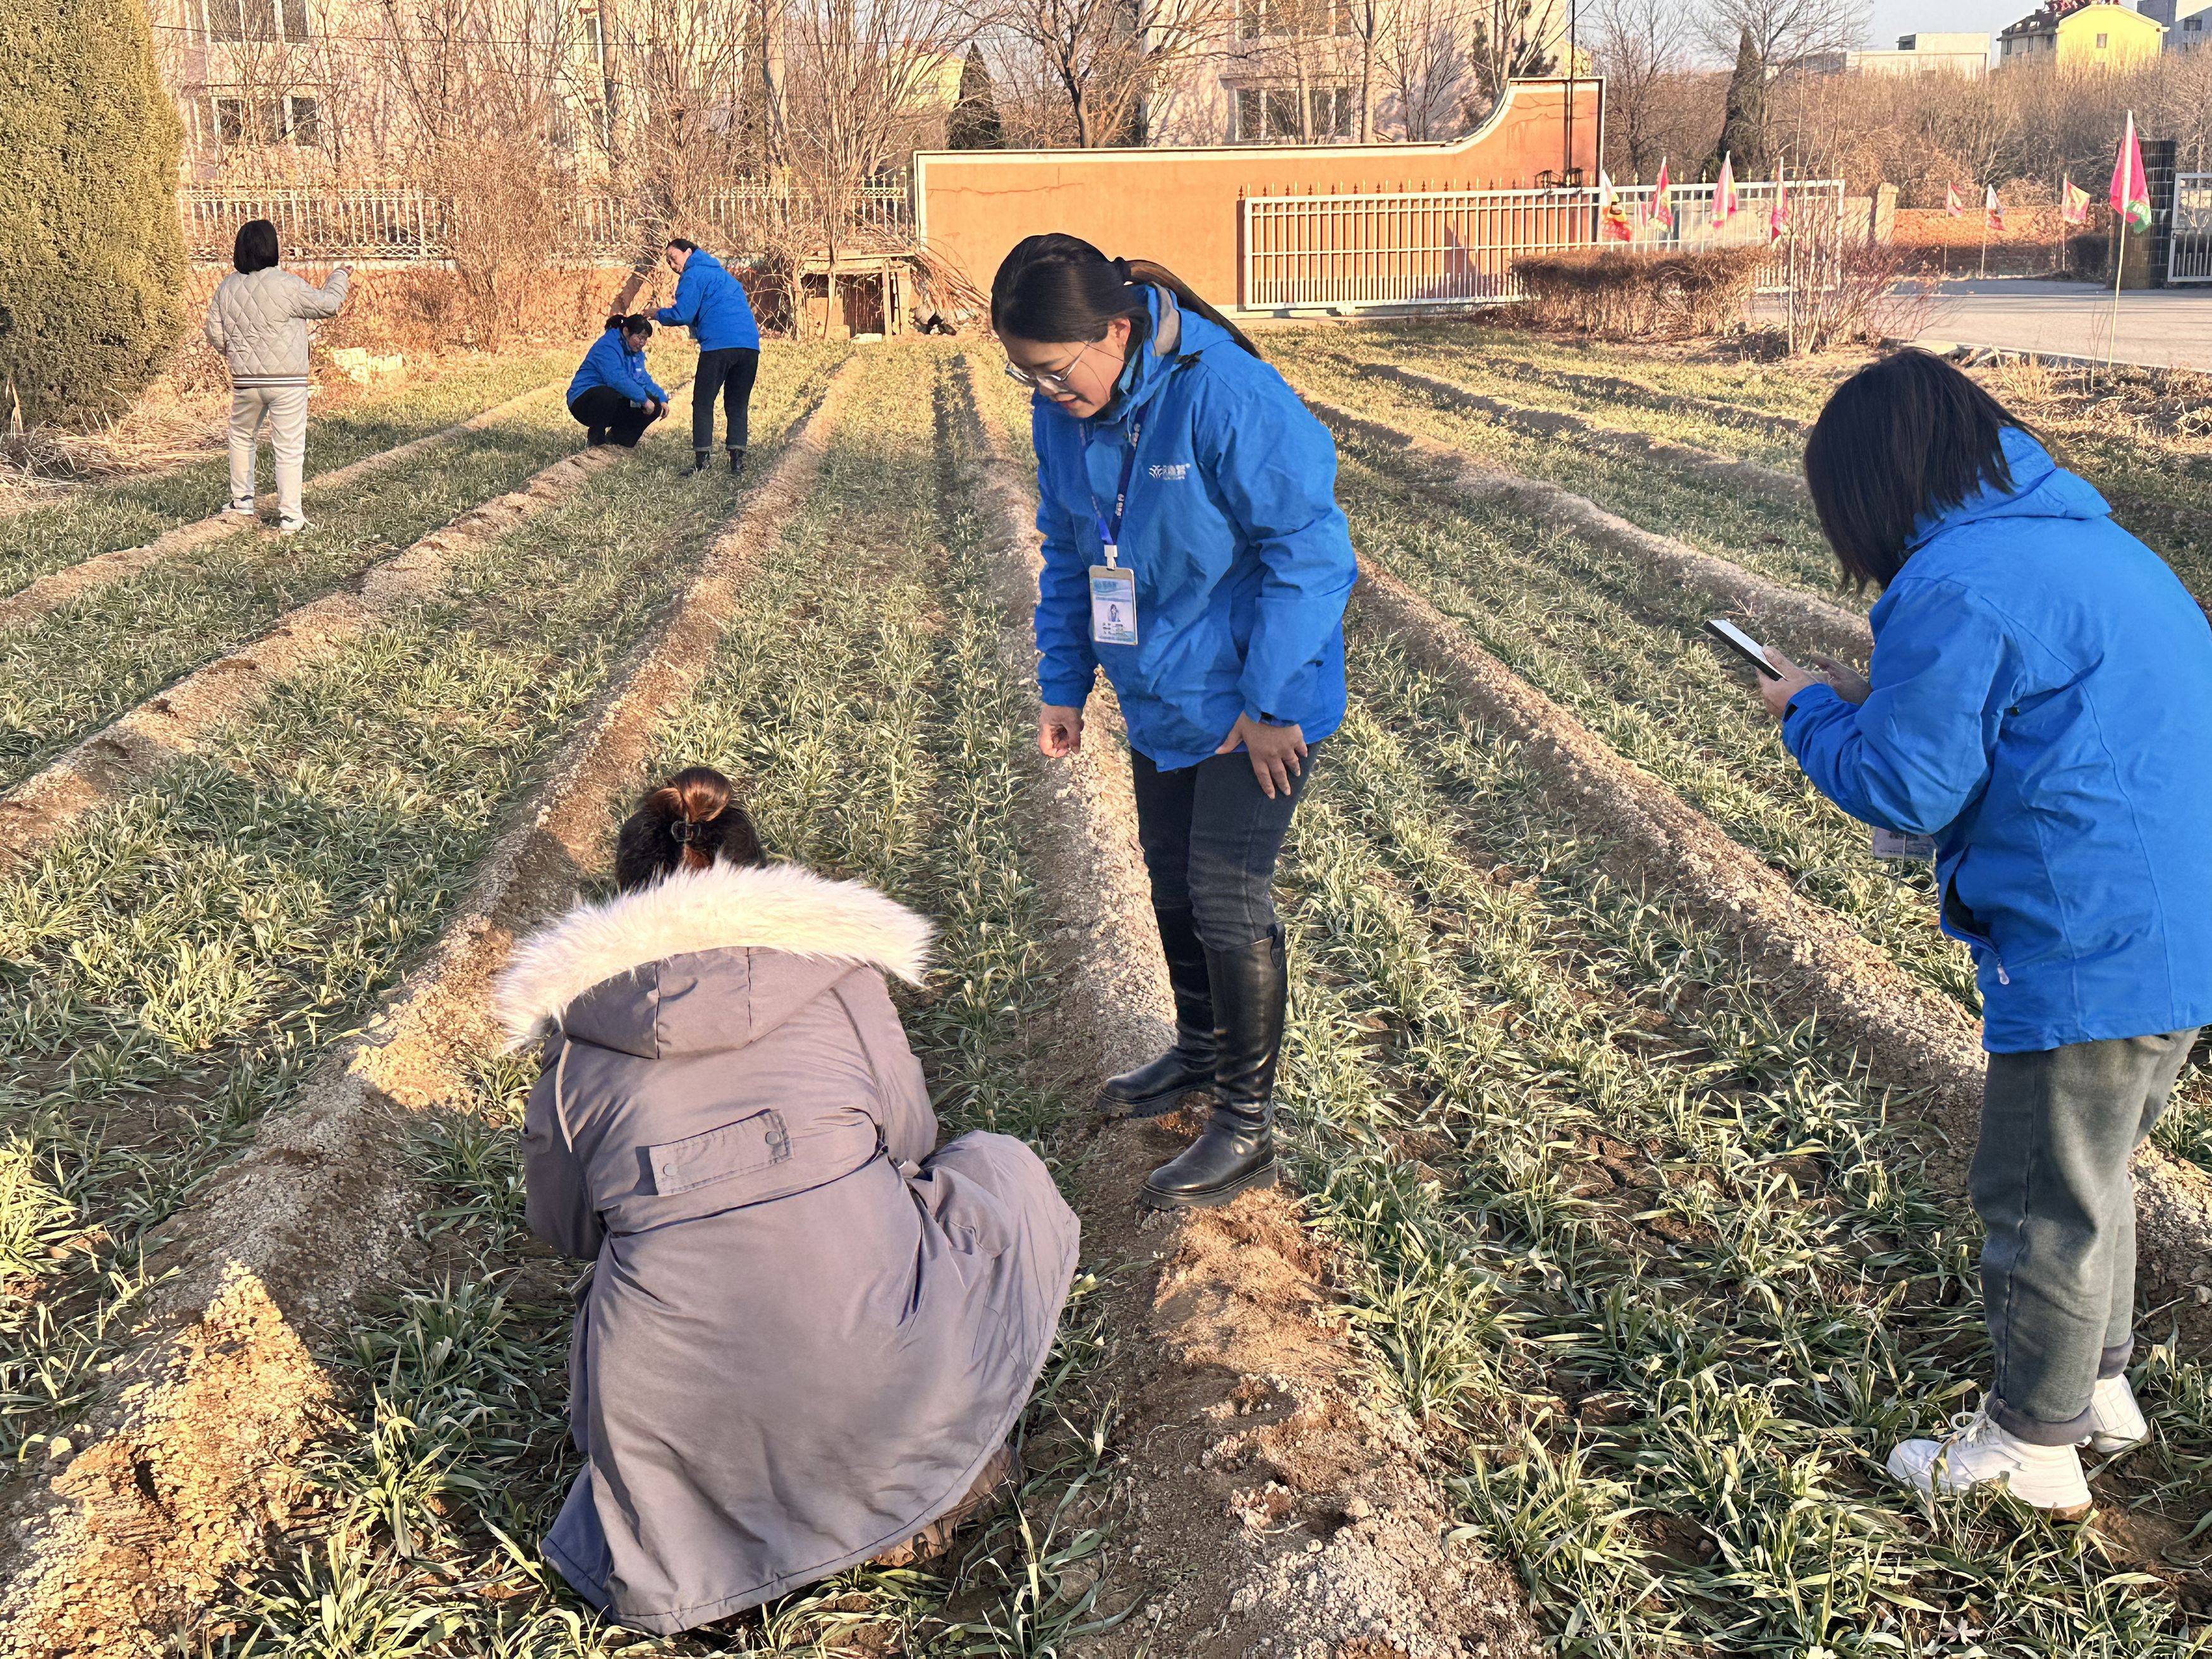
[
  {"x": 1160, "y": 1087},
  {"x": 737, "y": 464},
  {"x": 1235, "y": 1151},
  {"x": 595, "y": 437},
  {"x": 698, "y": 463}
]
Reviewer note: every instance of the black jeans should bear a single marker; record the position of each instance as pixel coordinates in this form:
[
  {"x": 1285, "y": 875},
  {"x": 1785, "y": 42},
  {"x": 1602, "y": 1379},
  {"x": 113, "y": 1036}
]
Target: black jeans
[
  {"x": 1211, "y": 838},
  {"x": 2050, "y": 1181},
  {"x": 729, "y": 372},
  {"x": 603, "y": 406}
]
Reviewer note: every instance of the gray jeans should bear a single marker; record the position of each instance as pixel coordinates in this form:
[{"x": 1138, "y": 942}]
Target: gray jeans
[
  {"x": 2051, "y": 1183},
  {"x": 285, "y": 409}
]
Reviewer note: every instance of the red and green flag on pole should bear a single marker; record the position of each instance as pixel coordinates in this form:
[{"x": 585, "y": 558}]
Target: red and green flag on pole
[
  {"x": 2072, "y": 202},
  {"x": 1662, "y": 203},
  {"x": 2131, "y": 187},
  {"x": 1724, "y": 197}
]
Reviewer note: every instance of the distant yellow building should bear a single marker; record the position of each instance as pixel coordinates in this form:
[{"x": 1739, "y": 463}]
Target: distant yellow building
[{"x": 2083, "y": 37}]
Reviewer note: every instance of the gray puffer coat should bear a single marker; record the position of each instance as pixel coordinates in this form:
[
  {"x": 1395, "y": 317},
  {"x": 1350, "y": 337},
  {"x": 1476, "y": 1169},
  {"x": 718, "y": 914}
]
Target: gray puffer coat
[
  {"x": 805, "y": 1333},
  {"x": 258, "y": 320}
]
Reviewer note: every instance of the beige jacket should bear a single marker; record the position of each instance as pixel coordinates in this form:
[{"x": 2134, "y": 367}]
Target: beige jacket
[{"x": 259, "y": 321}]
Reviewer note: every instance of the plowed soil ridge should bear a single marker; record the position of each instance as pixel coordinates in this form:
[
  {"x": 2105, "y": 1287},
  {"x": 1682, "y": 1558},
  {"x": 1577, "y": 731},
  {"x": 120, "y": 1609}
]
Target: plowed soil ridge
[
  {"x": 50, "y": 591},
  {"x": 1452, "y": 473},
  {"x": 170, "y": 727},
  {"x": 197, "y": 1435},
  {"x": 1809, "y": 959},
  {"x": 1280, "y": 1501},
  {"x": 1726, "y": 470}
]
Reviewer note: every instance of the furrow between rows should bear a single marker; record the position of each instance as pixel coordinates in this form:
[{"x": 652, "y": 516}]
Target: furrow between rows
[
  {"x": 49, "y": 592},
  {"x": 169, "y": 727},
  {"x": 201, "y": 1422},
  {"x": 1729, "y": 472},
  {"x": 1828, "y": 627}
]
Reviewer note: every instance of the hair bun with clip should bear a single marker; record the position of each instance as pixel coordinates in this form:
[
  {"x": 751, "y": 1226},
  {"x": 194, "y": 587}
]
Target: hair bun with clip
[{"x": 684, "y": 831}]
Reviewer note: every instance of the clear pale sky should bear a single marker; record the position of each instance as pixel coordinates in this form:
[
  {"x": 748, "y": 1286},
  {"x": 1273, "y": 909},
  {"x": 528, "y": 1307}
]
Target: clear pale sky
[{"x": 1895, "y": 17}]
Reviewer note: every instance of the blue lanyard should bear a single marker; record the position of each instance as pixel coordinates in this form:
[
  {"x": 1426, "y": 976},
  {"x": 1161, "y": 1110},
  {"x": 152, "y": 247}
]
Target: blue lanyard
[{"x": 1110, "y": 534}]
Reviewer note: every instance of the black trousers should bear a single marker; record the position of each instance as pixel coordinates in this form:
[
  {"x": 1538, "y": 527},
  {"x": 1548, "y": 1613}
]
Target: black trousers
[
  {"x": 1211, "y": 838},
  {"x": 604, "y": 406},
  {"x": 729, "y": 372}
]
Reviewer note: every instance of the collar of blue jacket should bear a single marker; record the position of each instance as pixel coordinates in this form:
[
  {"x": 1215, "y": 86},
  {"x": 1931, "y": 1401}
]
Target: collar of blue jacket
[{"x": 1240, "y": 557}]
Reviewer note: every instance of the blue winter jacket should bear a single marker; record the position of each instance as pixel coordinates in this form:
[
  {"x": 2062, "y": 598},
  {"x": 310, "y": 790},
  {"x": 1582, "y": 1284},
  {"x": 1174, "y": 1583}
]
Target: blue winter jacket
[
  {"x": 610, "y": 362},
  {"x": 711, "y": 304},
  {"x": 1242, "y": 558},
  {"x": 2041, "y": 684}
]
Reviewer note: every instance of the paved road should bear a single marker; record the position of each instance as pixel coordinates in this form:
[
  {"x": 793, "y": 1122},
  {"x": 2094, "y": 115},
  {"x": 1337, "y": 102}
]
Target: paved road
[{"x": 2171, "y": 327}]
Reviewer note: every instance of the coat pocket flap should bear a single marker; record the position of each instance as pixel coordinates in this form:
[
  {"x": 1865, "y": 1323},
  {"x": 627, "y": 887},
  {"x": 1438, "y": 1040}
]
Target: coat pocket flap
[{"x": 750, "y": 1144}]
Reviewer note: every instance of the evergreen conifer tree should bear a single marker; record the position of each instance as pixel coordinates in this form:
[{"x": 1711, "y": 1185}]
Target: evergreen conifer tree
[
  {"x": 975, "y": 124},
  {"x": 1743, "y": 128},
  {"x": 92, "y": 256}
]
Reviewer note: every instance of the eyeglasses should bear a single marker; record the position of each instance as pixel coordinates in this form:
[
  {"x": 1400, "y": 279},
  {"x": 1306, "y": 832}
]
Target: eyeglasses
[{"x": 1046, "y": 380}]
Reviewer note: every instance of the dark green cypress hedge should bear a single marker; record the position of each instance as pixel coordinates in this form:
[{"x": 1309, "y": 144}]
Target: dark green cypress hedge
[{"x": 92, "y": 257}]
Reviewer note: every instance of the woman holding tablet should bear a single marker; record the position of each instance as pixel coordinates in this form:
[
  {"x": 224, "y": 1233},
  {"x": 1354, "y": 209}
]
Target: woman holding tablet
[
  {"x": 1195, "y": 550},
  {"x": 2036, "y": 703}
]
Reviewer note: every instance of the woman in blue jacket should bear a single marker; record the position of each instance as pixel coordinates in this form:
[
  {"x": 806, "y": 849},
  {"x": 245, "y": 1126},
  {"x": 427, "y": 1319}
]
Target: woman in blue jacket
[
  {"x": 1195, "y": 550},
  {"x": 2036, "y": 704},
  {"x": 711, "y": 304},
  {"x": 612, "y": 397}
]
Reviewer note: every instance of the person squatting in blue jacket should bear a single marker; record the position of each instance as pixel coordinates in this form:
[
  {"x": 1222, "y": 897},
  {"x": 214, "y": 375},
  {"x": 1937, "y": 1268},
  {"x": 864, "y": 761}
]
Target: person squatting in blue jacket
[
  {"x": 2036, "y": 704},
  {"x": 1193, "y": 550},
  {"x": 711, "y": 304},
  {"x": 612, "y": 397}
]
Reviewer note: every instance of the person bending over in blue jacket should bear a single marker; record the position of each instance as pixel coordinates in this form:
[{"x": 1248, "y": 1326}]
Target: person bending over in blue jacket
[
  {"x": 1193, "y": 550},
  {"x": 2036, "y": 704},
  {"x": 711, "y": 304},
  {"x": 612, "y": 397}
]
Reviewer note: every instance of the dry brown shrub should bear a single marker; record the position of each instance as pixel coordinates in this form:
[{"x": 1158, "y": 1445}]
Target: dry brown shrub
[
  {"x": 1616, "y": 294},
  {"x": 1854, "y": 294}
]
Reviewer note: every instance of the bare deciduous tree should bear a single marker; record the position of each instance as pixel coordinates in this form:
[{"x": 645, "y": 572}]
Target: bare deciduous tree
[
  {"x": 1640, "y": 49},
  {"x": 1423, "y": 66},
  {"x": 1784, "y": 33},
  {"x": 1103, "y": 62}
]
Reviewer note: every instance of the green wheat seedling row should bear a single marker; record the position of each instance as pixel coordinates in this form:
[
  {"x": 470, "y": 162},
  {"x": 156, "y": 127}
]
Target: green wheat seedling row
[
  {"x": 1658, "y": 1256},
  {"x": 125, "y": 642},
  {"x": 173, "y": 968},
  {"x": 2165, "y": 495},
  {"x": 100, "y": 517},
  {"x": 1626, "y": 658},
  {"x": 862, "y": 706}
]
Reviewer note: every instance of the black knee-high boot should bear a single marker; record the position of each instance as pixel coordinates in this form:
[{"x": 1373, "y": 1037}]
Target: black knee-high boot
[
  {"x": 1160, "y": 1087},
  {"x": 1235, "y": 1151}
]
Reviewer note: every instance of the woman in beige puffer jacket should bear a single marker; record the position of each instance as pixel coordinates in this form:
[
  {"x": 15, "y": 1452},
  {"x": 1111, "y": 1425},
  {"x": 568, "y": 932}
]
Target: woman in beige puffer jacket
[{"x": 258, "y": 320}]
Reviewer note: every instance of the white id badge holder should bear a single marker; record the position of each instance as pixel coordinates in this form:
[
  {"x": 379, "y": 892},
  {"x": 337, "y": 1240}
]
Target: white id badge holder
[
  {"x": 1896, "y": 844},
  {"x": 1113, "y": 604}
]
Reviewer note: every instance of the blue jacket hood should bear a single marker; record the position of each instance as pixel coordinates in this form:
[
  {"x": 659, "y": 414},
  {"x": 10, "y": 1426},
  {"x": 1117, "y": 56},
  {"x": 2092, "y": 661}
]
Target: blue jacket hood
[
  {"x": 2039, "y": 683},
  {"x": 2040, "y": 488},
  {"x": 1241, "y": 560}
]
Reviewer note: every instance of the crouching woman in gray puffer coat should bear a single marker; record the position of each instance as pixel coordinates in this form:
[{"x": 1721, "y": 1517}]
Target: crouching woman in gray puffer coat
[{"x": 807, "y": 1336}]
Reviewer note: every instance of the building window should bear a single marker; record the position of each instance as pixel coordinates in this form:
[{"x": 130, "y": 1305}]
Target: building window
[
  {"x": 2103, "y": 40},
  {"x": 305, "y": 123},
  {"x": 229, "y": 121},
  {"x": 293, "y": 119},
  {"x": 1269, "y": 115},
  {"x": 253, "y": 20}
]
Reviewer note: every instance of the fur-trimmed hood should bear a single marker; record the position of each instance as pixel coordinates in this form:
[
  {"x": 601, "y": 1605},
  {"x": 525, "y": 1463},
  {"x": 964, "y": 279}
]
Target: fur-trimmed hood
[{"x": 786, "y": 909}]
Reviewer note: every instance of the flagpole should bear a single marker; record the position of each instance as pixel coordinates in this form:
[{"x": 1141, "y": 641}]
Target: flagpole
[
  {"x": 1985, "y": 241},
  {"x": 2120, "y": 245}
]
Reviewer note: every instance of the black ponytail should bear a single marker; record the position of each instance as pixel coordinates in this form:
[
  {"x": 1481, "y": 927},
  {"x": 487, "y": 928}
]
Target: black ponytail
[
  {"x": 689, "y": 822},
  {"x": 1057, "y": 290},
  {"x": 637, "y": 323}
]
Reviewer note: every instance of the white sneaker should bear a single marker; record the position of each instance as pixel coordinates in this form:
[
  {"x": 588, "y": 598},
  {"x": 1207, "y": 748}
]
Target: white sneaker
[
  {"x": 2117, "y": 1422},
  {"x": 241, "y": 510},
  {"x": 1977, "y": 1452},
  {"x": 292, "y": 526}
]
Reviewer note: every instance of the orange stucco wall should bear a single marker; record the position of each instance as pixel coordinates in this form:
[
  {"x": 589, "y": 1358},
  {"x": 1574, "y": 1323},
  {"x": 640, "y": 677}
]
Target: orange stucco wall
[{"x": 1180, "y": 206}]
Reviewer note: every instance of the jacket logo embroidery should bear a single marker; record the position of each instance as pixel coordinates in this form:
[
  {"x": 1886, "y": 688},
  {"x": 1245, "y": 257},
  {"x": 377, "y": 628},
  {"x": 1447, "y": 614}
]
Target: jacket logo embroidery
[{"x": 1174, "y": 470}]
